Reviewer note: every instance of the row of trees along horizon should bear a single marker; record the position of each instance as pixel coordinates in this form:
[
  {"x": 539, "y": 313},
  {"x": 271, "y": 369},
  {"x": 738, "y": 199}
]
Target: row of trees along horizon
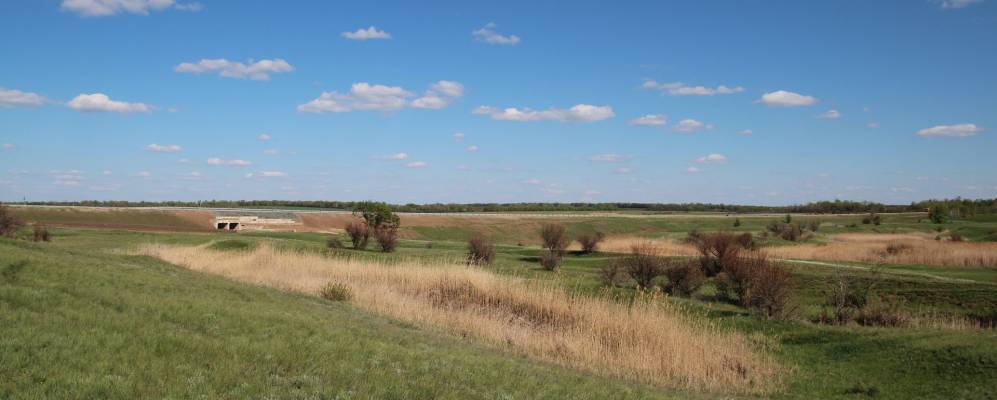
[{"x": 957, "y": 207}]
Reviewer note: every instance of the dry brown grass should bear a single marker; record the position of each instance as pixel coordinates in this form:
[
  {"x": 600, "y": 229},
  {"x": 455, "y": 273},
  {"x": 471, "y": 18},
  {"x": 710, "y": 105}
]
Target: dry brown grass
[
  {"x": 908, "y": 248},
  {"x": 650, "y": 341},
  {"x": 667, "y": 247}
]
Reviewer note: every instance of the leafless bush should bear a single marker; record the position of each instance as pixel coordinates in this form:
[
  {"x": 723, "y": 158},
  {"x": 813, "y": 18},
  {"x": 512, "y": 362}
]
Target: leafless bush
[
  {"x": 718, "y": 249},
  {"x": 41, "y": 233},
  {"x": 387, "y": 238},
  {"x": 956, "y": 237},
  {"x": 359, "y": 234},
  {"x": 552, "y": 236},
  {"x": 550, "y": 261},
  {"x": 770, "y": 291},
  {"x": 480, "y": 250},
  {"x": 590, "y": 241},
  {"x": 898, "y": 248},
  {"x": 612, "y": 273},
  {"x": 813, "y": 225},
  {"x": 8, "y": 222},
  {"x": 684, "y": 279},
  {"x": 643, "y": 264}
]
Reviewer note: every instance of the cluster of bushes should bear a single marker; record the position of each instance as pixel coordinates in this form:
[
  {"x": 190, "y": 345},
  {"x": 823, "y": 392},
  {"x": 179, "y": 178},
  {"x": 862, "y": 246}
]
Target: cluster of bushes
[
  {"x": 480, "y": 250},
  {"x": 741, "y": 275},
  {"x": 374, "y": 219},
  {"x": 872, "y": 218},
  {"x": 857, "y": 301},
  {"x": 554, "y": 244},
  {"x": 9, "y": 224},
  {"x": 792, "y": 231}
]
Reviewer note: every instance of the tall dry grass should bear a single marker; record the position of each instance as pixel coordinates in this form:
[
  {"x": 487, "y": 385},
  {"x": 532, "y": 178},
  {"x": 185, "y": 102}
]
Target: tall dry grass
[
  {"x": 667, "y": 247},
  {"x": 648, "y": 341},
  {"x": 911, "y": 248}
]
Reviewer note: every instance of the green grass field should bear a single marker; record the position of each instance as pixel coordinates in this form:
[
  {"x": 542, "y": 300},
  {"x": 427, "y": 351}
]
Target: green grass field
[{"x": 81, "y": 318}]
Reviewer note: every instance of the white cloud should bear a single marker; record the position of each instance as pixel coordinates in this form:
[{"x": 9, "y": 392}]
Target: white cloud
[
  {"x": 417, "y": 164},
  {"x": 459, "y": 136},
  {"x": 440, "y": 95},
  {"x": 183, "y": 161},
  {"x": 143, "y": 174},
  {"x": 681, "y": 89},
  {"x": 103, "y": 8},
  {"x": 578, "y": 113},
  {"x": 782, "y": 98},
  {"x": 902, "y": 189},
  {"x": 829, "y": 114},
  {"x": 746, "y": 132},
  {"x": 192, "y": 176},
  {"x": 609, "y": 157},
  {"x": 266, "y": 174},
  {"x": 239, "y": 163},
  {"x": 472, "y": 148},
  {"x": 951, "y": 4},
  {"x": 690, "y": 125},
  {"x": 270, "y": 152},
  {"x": 257, "y": 71},
  {"x": 396, "y": 156},
  {"x": 622, "y": 170},
  {"x": 17, "y": 98},
  {"x": 712, "y": 158},
  {"x": 692, "y": 170},
  {"x": 156, "y": 148},
  {"x": 263, "y": 136},
  {"x": 7, "y": 146},
  {"x": 650, "y": 120},
  {"x": 872, "y": 125},
  {"x": 99, "y": 102},
  {"x": 367, "y": 34},
  {"x": 215, "y": 161},
  {"x": 960, "y": 130},
  {"x": 533, "y": 181},
  {"x": 488, "y": 34}
]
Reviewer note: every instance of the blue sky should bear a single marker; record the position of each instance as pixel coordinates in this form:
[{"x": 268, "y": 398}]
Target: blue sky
[{"x": 742, "y": 102}]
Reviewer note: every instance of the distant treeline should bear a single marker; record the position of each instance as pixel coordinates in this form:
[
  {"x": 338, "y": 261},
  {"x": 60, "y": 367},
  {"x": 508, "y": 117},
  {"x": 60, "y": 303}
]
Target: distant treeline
[{"x": 957, "y": 206}]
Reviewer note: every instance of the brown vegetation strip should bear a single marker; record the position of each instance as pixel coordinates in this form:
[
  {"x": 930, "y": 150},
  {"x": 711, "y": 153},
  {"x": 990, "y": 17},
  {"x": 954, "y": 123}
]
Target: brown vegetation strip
[
  {"x": 650, "y": 340},
  {"x": 913, "y": 249}
]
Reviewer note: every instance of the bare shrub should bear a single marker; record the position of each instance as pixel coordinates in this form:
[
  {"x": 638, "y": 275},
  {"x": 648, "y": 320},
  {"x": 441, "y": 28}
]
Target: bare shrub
[
  {"x": 8, "y": 222},
  {"x": 643, "y": 264},
  {"x": 336, "y": 291},
  {"x": 791, "y": 232},
  {"x": 770, "y": 291},
  {"x": 41, "y": 234},
  {"x": 956, "y": 237},
  {"x": 718, "y": 249},
  {"x": 612, "y": 273},
  {"x": 359, "y": 234},
  {"x": 387, "y": 238},
  {"x": 684, "y": 279},
  {"x": 550, "y": 261},
  {"x": 553, "y": 239},
  {"x": 590, "y": 241},
  {"x": 898, "y": 248},
  {"x": 813, "y": 225},
  {"x": 334, "y": 243},
  {"x": 480, "y": 250}
]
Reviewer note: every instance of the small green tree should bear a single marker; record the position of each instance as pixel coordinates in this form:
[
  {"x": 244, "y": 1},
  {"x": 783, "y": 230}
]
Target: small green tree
[
  {"x": 938, "y": 213},
  {"x": 789, "y": 218},
  {"x": 737, "y": 222},
  {"x": 376, "y": 215}
]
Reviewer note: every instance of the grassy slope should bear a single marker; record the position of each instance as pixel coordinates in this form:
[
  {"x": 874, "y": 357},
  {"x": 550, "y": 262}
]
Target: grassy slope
[
  {"x": 75, "y": 323},
  {"x": 119, "y": 218}
]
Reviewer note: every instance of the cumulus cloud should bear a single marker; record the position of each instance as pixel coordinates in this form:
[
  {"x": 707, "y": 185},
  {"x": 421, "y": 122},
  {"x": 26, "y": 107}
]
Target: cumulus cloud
[
  {"x": 215, "y": 161},
  {"x": 746, "y": 132},
  {"x": 951, "y": 4},
  {"x": 650, "y": 120},
  {"x": 7, "y": 146},
  {"x": 712, "y": 158},
  {"x": 472, "y": 148},
  {"x": 417, "y": 164},
  {"x": 690, "y": 125},
  {"x": 960, "y": 131},
  {"x": 681, "y": 89},
  {"x": 257, "y": 71},
  {"x": 263, "y": 136},
  {"x": 829, "y": 114},
  {"x": 16, "y": 98},
  {"x": 578, "y": 113},
  {"x": 157, "y": 148},
  {"x": 439, "y": 95},
  {"x": 622, "y": 170},
  {"x": 532, "y": 181},
  {"x": 610, "y": 157},
  {"x": 872, "y": 125},
  {"x": 270, "y": 152},
  {"x": 183, "y": 161},
  {"x": 143, "y": 174},
  {"x": 103, "y": 8},
  {"x": 488, "y": 34},
  {"x": 693, "y": 170},
  {"x": 239, "y": 163},
  {"x": 266, "y": 174},
  {"x": 366, "y": 97},
  {"x": 396, "y": 156},
  {"x": 366, "y": 34},
  {"x": 782, "y": 98},
  {"x": 459, "y": 136},
  {"x": 99, "y": 102}
]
